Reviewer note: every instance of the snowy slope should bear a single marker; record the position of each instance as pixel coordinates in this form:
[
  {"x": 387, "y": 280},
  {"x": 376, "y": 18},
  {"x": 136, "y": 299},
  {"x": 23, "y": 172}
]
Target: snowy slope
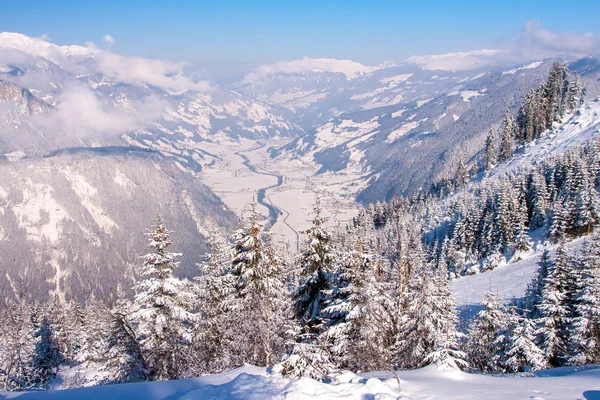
[
  {"x": 508, "y": 280},
  {"x": 426, "y": 383},
  {"x": 576, "y": 129}
]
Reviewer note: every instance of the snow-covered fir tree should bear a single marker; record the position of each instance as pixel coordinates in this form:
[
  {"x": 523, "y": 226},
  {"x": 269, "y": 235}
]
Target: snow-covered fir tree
[
  {"x": 162, "y": 314},
  {"x": 310, "y": 354},
  {"x": 481, "y": 350},
  {"x": 259, "y": 302},
  {"x": 212, "y": 339},
  {"x": 489, "y": 156},
  {"x": 584, "y": 326},
  {"x": 429, "y": 333},
  {"x": 521, "y": 351},
  {"x": 553, "y": 310}
]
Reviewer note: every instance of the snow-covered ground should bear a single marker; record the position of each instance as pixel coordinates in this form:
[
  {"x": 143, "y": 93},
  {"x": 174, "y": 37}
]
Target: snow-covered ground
[
  {"x": 576, "y": 129},
  {"x": 508, "y": 280},
  {"x": 427, "y": 383}
]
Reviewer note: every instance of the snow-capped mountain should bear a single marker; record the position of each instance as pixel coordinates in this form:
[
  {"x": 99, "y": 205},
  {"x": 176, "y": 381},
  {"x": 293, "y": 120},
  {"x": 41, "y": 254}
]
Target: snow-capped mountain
[
  {"x": 402, "y": 144},
  {"x": 149, "y": 100}
]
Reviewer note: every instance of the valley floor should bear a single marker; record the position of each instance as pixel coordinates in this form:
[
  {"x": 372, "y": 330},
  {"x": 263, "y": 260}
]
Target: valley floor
[
  {"x": 427, "y": 383},
  {"x": 237, "y": 183}
]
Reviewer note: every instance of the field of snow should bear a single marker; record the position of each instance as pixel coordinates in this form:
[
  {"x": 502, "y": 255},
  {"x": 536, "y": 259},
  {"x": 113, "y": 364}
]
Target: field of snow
[{"x": 251, "y": 382}]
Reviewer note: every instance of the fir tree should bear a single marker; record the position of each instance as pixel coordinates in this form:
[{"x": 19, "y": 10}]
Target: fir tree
[
  {"x": 522, "y": 353},
  {"x": 507, "y": 137},
  {"x": 489, "y": 160},
  {"x": 162, "y": 317},
  {"x": 553, "y": 313},
  {"x": 483, "y": 331},
  {"x": 259, "y": 295},
  {"x": 584, "y": 327}
]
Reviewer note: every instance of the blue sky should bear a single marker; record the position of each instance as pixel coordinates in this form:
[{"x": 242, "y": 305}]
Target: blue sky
[{"x": 256, "y": 32}]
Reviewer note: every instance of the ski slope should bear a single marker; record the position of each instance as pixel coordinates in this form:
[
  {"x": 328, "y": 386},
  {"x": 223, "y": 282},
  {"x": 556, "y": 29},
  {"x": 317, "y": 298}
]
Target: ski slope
[{"x": 253, "y": 383}]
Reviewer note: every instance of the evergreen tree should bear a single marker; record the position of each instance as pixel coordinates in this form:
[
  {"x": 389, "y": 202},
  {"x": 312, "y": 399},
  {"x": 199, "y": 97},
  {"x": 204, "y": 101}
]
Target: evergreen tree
[
  {"x": 46, "y": 356},
  {"x": 489, "y": 160},
  {"x": 162, "y": 303},
  {"x": 216, "y": 285},
  {"x": 462, "y": 175},
  {"x": 522, "y": 353},
  {"x": 553, "y": 313},
  {"x": 584, "y": 329},
  {"x": 17, "y": 346},
  {"x": 123, "y": 352},
  {"x": 507, "y": 137},
  {"x": 482, "y": 353},
  {"x": 429, "y": 333},
  {"x": 259, "y": 302}
]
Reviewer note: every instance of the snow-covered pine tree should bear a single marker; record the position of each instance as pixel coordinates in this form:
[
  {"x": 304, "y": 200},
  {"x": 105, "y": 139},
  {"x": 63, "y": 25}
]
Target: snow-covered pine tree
[
  {"x": 310, "y": 355},
  {"x": 123, "y": 351},
  {"x": 447, "y": 354},
  {"x": 489, "y": 156},
  {"x": 17, "y": 346},
  {"x": 482, "y": 352},
  {"x": 161, "y": 316},
  {"x": 462, "y": 174},
  {"x": 584, "y": 326},
  {"x": 345, "y": 315},
  {"x": 537, "y": 198},
  {"x": 522, "y": 353},
  {"x": 428, "y": 330},
  {"x": 557, "y": 221},
  {"x": 533, "y": 293},
  {"x": 507, "y": 137},
  {"x": 553, "y": 318},
  {"x": 46, "y": 357},
  {"x": 216, "y": 285},
  {"x": 316, "y": 262},
  {"x": 587, "y": 209},
  {"x": 260, "y": 297}
]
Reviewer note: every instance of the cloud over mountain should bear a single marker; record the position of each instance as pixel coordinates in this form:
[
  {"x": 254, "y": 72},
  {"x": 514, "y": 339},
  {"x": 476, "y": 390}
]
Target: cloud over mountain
[{"x": 162, "y": 74}]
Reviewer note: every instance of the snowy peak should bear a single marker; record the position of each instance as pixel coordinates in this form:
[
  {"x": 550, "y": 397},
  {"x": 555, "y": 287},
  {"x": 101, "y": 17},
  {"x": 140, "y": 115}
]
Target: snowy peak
[
  {"x": 350, "y": 69},
  {"x": 39, "y": 47},
  {"x": 458, "y": 61}
]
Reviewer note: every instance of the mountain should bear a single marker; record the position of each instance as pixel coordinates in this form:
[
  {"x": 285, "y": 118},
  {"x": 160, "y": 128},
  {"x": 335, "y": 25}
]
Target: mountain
[
  {"x": 73, "y": 223},
  {"x": 408, "y": 132},
  {"x": 85, "y": 113}
]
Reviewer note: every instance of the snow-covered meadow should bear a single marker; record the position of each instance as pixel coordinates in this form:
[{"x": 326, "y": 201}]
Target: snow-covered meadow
[{"x": 255, "y": 383}]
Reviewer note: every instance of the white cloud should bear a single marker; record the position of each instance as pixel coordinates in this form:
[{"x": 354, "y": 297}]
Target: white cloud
[
  {"x": 537, "y": 42},
  {"x": 108, "y": 40},
  {"x": 349, "y": 68},
  {"x": 534, "y": 43},
  {"x": 162, "y": 74},
  {"x": 80, "y": 114},
  {"x": 139, "y": 71}
]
